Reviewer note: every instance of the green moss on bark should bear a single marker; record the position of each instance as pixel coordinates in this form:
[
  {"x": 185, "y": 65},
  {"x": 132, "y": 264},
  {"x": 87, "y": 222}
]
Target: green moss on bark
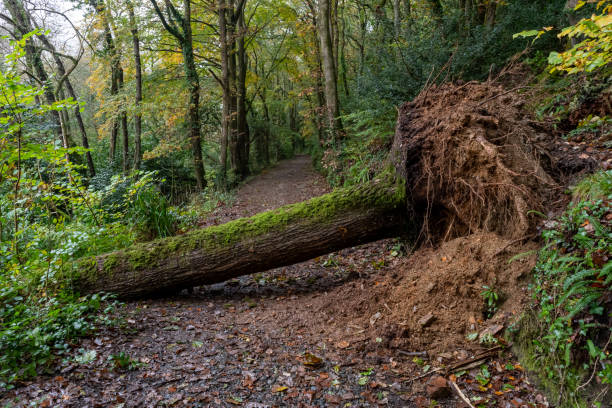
[{"x": 384, "y": 195}]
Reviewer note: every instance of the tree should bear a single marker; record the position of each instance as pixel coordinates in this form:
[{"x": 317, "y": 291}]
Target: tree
[
  {"x": 285, "y": 236},
  {"x": 21, "y": 21},
  {"x": 138, "y": 79},
  {"x": 179, "y": 26},
  {"x": 329, "y": 69}
]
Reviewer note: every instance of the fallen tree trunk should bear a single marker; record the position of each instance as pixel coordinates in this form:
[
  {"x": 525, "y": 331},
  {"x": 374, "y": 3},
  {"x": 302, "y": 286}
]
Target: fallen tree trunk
[
  {"x": 466, "y": 158},
  {"x": 285, "y": 236}
]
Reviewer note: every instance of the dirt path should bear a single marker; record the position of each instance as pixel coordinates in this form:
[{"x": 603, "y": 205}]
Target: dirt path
[{"x": 313, "y": 334}]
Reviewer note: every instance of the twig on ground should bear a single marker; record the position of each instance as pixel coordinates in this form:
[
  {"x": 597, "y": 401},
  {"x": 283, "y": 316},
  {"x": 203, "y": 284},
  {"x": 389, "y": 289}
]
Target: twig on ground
[
  {"x": 435, "y": 370},
  {"x": 457, "y": 390},
  {"x": 474, "y": 361},
  {"x": 412, "y": 353}
]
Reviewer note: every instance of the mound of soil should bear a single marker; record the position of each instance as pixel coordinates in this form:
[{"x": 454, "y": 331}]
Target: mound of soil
[
  {"x": 471, "y": 160},
  {"x": 431, "y": 300}
]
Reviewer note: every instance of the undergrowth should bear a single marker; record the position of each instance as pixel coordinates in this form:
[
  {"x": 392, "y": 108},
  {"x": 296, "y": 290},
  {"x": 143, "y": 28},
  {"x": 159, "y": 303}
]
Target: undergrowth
[
  {"x": 572, "y": 290},
  {"x": 41, "y": 318},
  {"x": 37, "y": 330}
]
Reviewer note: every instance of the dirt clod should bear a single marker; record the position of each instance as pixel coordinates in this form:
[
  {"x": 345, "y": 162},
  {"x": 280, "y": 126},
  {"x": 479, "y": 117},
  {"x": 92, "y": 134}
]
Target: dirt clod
[{"x": 437, "y": 387}]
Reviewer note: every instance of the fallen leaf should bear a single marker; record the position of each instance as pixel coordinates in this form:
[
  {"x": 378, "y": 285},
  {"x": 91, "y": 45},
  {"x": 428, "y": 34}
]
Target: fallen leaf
[
  {"x": 280, "y": 389},
  {"x": 311, "y": 360},
  {"x": 343, "y": 344}
]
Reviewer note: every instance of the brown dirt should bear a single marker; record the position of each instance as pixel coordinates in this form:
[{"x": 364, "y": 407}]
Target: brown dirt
[
  {"x": 445, "y": 283},
  {"x": 288, "y": 182}
]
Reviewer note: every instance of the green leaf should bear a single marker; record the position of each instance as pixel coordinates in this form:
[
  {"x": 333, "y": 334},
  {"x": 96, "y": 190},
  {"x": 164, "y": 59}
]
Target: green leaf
[
  {"x": 526, "y": 34},
  {"x": 554, "y": 58}
]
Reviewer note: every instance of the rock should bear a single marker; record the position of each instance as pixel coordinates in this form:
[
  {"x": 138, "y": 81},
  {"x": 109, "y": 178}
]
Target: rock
[
  {"x": 426, "y": 320},
  {"x": 446, "y": 356},
  {"x": 491, "y": 330},
  {"x": 437, "y": 387},
  {"x": 461, "y": 354},
  {"x": 374, "y": 318},
  {"x": 348, "y": 396}
]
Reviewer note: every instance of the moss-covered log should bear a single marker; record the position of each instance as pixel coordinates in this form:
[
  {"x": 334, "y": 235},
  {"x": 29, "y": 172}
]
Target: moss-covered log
[{"x": 290, "y": 234}]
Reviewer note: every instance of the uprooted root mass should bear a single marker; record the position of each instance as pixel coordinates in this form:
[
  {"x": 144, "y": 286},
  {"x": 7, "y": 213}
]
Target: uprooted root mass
[{"x": 471, "y": 160}]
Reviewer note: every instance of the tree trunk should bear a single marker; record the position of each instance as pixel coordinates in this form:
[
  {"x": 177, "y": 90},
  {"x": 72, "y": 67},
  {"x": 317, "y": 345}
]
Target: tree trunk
[
  {"x": 114, "y": 85},
  {"x": 285, "y": 236},
  {"x": 23, "y": 25},
  {"x": 125, "y": 146},
  {"x": 491, "y": 12},
  {"x": 193, "y": 81},
  {"x": 397, "y": 19},
  {"x": 226, "y": 91},
  {"x": 231, "y": 75},
  {"x": 329, "y": 70},
  {"x": 138, "y": 95},
  {"x": 265, "y": 137},
  {"x": 241, "y": 110},
  {"x": 184, "y": 37},
  {"x": 61, "y": 70}
]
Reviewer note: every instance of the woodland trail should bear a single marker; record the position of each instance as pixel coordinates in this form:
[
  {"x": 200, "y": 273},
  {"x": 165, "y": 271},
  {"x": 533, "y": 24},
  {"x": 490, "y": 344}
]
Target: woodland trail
[{"x": 300, "y": 336}]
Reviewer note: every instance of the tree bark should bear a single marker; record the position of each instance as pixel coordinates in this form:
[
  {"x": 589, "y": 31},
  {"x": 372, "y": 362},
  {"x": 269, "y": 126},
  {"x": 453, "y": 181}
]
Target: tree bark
[
  {"x": 329, "y": 70},
  {"x": 285, "y": 236},
  {"x": 491, "y": 12},
  {"x": 226, "y": 91},
  {"x": 193, "y": 81},
  {"x": 397, "y": 19},
  {"x": 318, "y": 74},
  {"x": 241, "y": 109},
  {"x": 115, "y": 66},
  {"x": 138, "y": 94},
  {"x": 23, "y": 26},
  {"x": 124, "y": 127}
]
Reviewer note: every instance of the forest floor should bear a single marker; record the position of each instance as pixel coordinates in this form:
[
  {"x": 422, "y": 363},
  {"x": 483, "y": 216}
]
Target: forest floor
[{"x": 367, "y": 326}]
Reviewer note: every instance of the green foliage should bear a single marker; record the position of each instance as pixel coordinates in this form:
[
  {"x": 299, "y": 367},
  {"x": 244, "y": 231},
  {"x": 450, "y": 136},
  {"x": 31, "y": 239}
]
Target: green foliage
[
  {"x": 597, "y": 186},
  {"x": 593, "y": 41},
  {"x": 47, "y": 217},
  {"x": 122, "y": 361},
  {"x": 572, "y": 281},
  {"x": 37, "y": 329},
  {"x": 595, "y": 125},
  {"x": 148, "y": 208},
  {"x": 491, "y": 299},
  {"x": 595, "y": 49}
]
